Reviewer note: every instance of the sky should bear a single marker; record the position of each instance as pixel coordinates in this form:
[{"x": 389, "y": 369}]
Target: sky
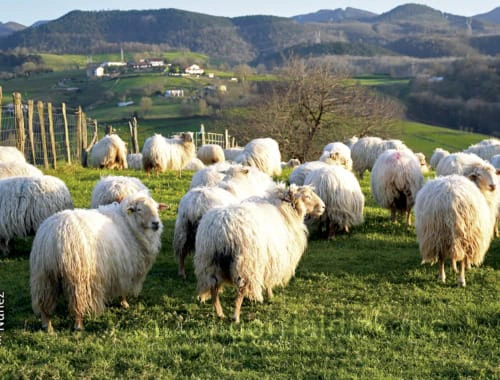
[{"x": 27, "y": 12}]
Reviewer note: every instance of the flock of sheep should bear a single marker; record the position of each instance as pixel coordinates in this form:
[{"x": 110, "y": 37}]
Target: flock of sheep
[{"x": 92, "y": 256}]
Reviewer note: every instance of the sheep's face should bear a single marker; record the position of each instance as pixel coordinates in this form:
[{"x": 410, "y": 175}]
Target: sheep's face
[
  {"x": 187, "y": 136},
  {"x": 484, "y": 177},
  {"x": 144, "y": 212},
  {"x": 306, "y": 201}
]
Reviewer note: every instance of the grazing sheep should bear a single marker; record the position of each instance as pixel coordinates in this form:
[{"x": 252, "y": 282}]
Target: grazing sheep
[
  {"x": 25, "y": 202},
  {"x": 160, "y": 154},
  {"x": 262, "y": 153},
  {"x": 134, "y": 161},
  {"x": 424, "y": 168},
  {"x": 111, "y": 189},
  {"x": 11, "y": 153},
  {"x": 485, "y": 149},
  {"x": 18, "y": 169},
  {"x": 230, "y": 154},
  {"x": 254, "y": 245},
  {"x": 458, "y": 163},
  {"x": 210, "y": 175},
  {"x": 337, "y": 153},
  {"x": 210, "y": 154},
  {"x": 110, "y": 152},
  {"x": 195, "y": 165},
  {"x": 495, "y": 161},
  {"x": 455, "y": 218},
  {"x": 366, "y": 150},
  {"x": 351, "y": 141},
  {"x": 299, "y": 174},
  {"x": 437, "y": 155},
  {"x": 340, "y": 191},
  {"x": 292, "y": 163},
  {"x": 239, "y": 183},
  {"x": 395, "y": 180},
  {"x": 94, "y": 256}
]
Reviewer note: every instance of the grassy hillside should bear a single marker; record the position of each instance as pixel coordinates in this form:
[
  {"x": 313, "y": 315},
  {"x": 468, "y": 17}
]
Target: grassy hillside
[{"x": 359, "y": 306}]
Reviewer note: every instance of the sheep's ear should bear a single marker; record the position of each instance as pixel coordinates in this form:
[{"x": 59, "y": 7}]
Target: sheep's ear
[
  {"x": 119, "y": 198},
  {"x": 163, "y": 206},
  {"x": 498, "y": 171}
]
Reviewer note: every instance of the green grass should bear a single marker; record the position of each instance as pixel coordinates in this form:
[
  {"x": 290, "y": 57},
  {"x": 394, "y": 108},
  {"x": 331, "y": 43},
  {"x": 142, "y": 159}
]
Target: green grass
[{"x": 360, "y": 306}]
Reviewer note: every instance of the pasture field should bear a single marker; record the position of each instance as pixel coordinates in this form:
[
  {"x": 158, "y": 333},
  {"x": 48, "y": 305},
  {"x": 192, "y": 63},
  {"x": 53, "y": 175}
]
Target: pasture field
[{"x": 360, "y": 306}]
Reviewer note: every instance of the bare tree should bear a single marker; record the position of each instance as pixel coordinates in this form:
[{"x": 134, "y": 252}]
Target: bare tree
[{"x": 312, "y": 104}]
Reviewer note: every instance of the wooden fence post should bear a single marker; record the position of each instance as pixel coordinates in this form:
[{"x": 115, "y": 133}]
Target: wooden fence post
[
  {"x": 78, "y": 130},
  {"x": 108, "y": 130},
  {"x": 132, "y": 123},
  {"x": 19, "y": 115},
  {"x": 31, "y": 135},
  {"x": 42, "y": 133},
  {"x": 66, "y": 133},
  {"x": 202, "y": 132},
  {"x": 226, "y": 139},
  {"x": 84, "y": 131},
  {"x": 52, "y": 136}
]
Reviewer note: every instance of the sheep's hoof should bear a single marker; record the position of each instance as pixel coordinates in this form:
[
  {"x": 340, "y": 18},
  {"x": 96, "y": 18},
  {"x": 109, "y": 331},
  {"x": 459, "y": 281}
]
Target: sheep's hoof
[
  {"x": 236, "y": 318},
  {"x": 221, "y": 316},
  {"x": 48, "y": 328},
  {"x": 441, "y": 279},
  {"x": 124, "y": 304},
  {"x": 461, "y": 283}
]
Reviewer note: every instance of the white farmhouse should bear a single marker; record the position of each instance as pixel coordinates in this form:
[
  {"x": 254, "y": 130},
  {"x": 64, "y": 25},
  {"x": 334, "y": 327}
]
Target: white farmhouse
[{"x": 194, "y": 70}]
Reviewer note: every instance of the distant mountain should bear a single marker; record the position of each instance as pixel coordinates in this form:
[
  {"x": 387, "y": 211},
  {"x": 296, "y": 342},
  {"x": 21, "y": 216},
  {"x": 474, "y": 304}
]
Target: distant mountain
[
  {"x": 426, "y": 16},
  {"x": 9, "y": 28},
  {"x": 492, "y": 16},
  {"x": 336, "y": 15},
  {"x": 38, "y": 23}
]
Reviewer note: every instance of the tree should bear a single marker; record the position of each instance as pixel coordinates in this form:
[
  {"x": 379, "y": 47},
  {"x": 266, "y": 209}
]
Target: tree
[{"x": 310, "y": 105}]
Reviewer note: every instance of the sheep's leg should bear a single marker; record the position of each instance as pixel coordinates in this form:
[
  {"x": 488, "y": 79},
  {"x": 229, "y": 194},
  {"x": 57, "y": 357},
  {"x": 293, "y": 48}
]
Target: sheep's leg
[
  {"x": 216, "y": 300},
  {"x": 331, "y": 230},
  {"x": 495, "y": 230},
  {"x": 408, "y": 217},
  {"x": 47, "y": 323},
  {"x": 461, "y": 278},
  {"x": 454, "y": 265},
  {"x": 393, "y": 214},
  {"x": 237, "y": 304},
  {"x": 181, "y": 271},
  {"x": 78, "y": 322},
  {"x": 124, "y": 303},
  {"x": 442, "y": 274},
  {"x": 468, "y": 265},
  {"x": 269, "y": 293},
  {"x": 346, "y": 229}
]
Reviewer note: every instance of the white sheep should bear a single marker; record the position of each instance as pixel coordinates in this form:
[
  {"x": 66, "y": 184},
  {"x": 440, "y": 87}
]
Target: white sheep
[
  {"x": 395, "y": 180},
  {"x": 367, "y": 149},
  {"x": 424, "y": 167},
  {"x": 111, "y": 189},
  {"x": 351, "y": 141},
  {"x": 25, "y": 202},
  {"x": 291, "y": 163},
  {"x": 340, "y": 191},
  {"x": 254, "y": 245},
  {"x": 18, "y": 169},
  {"x": 230, "y": 154},
  {"x": 495, "y": 161},
  {"x": 455, "y": 218},
  {"x": 210, "y": 175},
  {"x": 195, "y": 165},
  {"x": 337, "y": 153},
  {"x": 437, "y": 155},
  {"x": 239, "y": 183},
  {"x": 94, "y": 256},
  {"x": 458, "y": 163},
  {"x": 264, "y": 154},
  {"x": 485, "y": 149},
  {"x": 161, "y": 154},
  {"x": 134, "y": 161},
  {"x": 110, "y": 152},
  {"x": 11, "y": 153},
  {"x": 299, "y": 174},
  {"x": 210, "y": 154}
]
